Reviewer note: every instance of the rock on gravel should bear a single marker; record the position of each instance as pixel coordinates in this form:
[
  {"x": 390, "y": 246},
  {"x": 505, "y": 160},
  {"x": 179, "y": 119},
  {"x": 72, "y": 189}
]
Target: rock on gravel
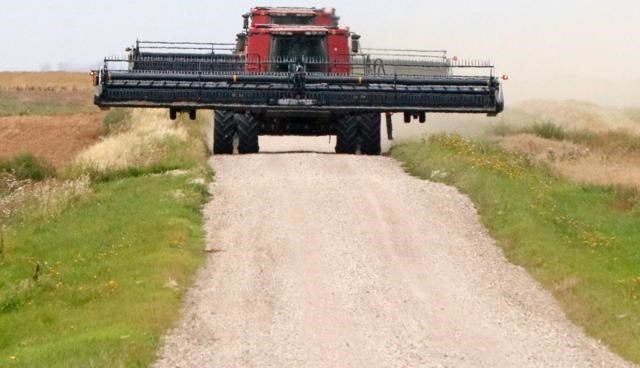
[{"x": 346, "y": 261}]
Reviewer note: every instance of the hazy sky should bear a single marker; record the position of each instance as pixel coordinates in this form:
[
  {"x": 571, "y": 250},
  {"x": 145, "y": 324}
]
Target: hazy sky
[{"x": 543, "y": 45}]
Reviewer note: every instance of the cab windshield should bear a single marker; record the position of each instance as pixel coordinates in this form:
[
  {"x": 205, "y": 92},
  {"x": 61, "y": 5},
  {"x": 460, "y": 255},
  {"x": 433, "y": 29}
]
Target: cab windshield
[{"x": 293, "y": 48}]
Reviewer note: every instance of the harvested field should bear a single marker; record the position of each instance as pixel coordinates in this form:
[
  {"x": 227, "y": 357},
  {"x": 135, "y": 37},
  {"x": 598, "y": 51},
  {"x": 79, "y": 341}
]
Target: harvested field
[
  {"x": 50, "y": 115},
  {"x": 45, "y": 94},
  {"x": 48, "y": 81},
  {"x": 56, "y": 138},
  {"x": 22, "y": 103}
]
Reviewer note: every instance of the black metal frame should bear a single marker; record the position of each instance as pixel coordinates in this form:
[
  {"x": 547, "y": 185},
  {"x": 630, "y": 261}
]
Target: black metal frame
[{"x": 386, "y": 82}]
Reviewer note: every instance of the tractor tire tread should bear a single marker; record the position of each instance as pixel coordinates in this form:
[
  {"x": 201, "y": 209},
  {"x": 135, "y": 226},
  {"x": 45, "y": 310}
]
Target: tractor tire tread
[
  {"x": 369, "y": 132},
  {"x": 223, "y": 132},
  {"x": 247, "y": 133},
  {"x": 347, "y": 134}
]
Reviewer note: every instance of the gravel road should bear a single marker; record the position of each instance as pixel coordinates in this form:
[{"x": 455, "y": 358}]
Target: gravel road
[{"x": 346, "y": 261}]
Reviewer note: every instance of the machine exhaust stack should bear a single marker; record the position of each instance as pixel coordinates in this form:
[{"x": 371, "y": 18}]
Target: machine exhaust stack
[{"x": 355, "y": 43}]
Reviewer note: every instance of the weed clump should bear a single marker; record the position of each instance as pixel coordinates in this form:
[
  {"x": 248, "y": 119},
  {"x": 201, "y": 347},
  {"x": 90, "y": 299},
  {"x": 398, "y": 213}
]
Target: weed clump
[
  {"x": 547, "y": 130},
  {"x": 612, "y": 141},
  {"x": 26, "y": 166},
  {"x": 26, "y": 199},
  {"x": 542, "y": 129},
  {"x": 116, "y": 121},
  {"x": 151, "y": 144},
  {"x": 627, "y": 200},
  {"x": 503, "y": 129}
]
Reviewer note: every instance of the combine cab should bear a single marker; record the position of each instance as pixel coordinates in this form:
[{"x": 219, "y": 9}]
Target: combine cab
[{"x": 296, "y": 71}]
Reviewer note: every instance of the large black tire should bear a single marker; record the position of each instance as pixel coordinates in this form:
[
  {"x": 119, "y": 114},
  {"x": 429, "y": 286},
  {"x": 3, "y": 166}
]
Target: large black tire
[
  {"x": 347, "y": 134},
  {"x": 223, "y": 132},
  {"x": 247, "y": 133},
  {"x": 369, "y": 133}
]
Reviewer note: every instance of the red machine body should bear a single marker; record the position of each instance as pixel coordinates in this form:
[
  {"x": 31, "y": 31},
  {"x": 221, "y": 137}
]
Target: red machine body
[{"x": 330, "y": 42}]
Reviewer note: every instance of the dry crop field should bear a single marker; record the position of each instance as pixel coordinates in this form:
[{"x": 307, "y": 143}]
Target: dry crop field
[{"x": 50, "y": 115}]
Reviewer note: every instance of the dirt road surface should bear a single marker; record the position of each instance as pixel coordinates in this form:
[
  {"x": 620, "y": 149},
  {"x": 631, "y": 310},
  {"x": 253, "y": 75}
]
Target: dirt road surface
[{"x": 346, "y": 261}]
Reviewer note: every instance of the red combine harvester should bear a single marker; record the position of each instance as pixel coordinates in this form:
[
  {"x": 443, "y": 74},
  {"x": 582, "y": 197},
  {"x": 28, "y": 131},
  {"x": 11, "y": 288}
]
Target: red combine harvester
[{"x": 294, "y": 71}]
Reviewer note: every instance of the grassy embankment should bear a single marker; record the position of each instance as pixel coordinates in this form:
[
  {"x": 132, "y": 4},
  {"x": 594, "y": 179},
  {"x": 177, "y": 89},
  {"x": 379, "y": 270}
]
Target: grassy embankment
[
  {"x": 96, "y": 257},
  {"x": 582, "y": 142},
  {"x": 581, "y": 241}
]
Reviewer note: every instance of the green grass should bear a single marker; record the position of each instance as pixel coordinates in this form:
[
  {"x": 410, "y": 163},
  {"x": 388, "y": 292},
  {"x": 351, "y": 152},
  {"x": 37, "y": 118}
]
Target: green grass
[
  {"x": 502, "y": 128},
  {"x": 116, "y": 120},
  {"x": 548, "y": 130},
  {"x": 103, "y": 294},
  {"x": 100, "y": 281},
  {"x": 545, "y": 129},
  {"x": 25, "y": 103},
  {"x": 581, "y": 242},
  {"x": 26, "y": 166}
]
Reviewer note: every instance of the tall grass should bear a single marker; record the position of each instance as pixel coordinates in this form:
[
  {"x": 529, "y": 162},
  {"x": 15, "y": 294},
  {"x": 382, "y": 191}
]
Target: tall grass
[
  {"x": 612, "y": 141},
  {"x": 542, "y": 129},
  {"x": 29, "y": 190},
  {"x": 152, "y": 143},
  {"x": 547, "y": 130},
  {"x": 25, "y": 166},
  {"x": 574, "y": 115},
  {"x": 582, "y": 142},
  {"x": 600, "y": 128},
  {"x": 116, "y": 121},
  {"x": 23, "y": 200}
]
